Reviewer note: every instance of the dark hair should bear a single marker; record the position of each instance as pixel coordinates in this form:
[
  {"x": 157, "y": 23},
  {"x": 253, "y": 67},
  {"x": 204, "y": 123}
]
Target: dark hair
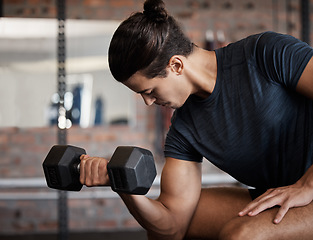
[{"x": 145, "y": 42}]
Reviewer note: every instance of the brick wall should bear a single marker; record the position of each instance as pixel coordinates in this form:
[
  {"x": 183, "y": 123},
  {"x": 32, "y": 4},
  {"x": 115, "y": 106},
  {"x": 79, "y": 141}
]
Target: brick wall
[
  {"x": 22, "y": 150},
  {"x": 236, "y": 18}
]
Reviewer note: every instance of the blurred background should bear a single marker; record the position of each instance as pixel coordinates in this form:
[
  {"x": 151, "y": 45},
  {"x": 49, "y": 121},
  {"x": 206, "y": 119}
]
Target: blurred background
[{"x": 99, "y": 113}]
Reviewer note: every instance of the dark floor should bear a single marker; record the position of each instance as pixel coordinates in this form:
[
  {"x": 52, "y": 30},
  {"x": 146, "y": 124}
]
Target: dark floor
[{"x": 137, "y": 235}]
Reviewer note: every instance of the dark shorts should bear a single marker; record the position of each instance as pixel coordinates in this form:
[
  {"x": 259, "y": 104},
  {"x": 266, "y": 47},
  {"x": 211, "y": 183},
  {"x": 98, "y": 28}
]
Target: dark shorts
[{"x": 254, "y": 193}]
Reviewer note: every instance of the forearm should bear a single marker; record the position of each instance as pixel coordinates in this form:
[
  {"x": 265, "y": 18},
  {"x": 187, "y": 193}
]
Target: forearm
[
  {"x": 307, "y": 179},
  {"x": 152, "y": 215},
  {"x": 165, "y": 218},
  {"x": 169, "y": 216}
]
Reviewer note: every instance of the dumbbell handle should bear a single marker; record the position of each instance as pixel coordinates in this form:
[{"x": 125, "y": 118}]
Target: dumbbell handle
[{"x": 78, "y": 168}]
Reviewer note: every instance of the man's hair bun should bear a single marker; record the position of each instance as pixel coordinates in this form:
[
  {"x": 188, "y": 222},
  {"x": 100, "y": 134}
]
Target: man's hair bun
[{"x": 155, "y": 10}]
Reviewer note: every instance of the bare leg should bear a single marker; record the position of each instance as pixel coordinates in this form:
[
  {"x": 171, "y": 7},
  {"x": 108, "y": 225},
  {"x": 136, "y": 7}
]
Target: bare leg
[
  {"x": 216, "y": 217},
  {"x": 216, "y": 207},
  {"x": 296, "y": 225}
]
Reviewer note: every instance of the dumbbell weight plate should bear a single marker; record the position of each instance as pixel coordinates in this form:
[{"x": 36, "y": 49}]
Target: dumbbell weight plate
[
  {"x": 131, "y": 170},
  {"x": 60, "y": 167}
]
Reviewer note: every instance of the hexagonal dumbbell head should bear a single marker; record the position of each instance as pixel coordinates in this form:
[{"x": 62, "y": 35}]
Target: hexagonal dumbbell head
[
  {"x": 60, "y": 167},
  {"x": 131, "y": 170}
]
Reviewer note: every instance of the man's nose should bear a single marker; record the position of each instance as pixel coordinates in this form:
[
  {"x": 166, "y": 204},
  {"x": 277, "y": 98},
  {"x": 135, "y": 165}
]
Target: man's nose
[{"x": 149, "y": 100}]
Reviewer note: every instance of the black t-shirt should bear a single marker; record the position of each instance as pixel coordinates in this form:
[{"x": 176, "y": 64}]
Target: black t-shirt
[{"x": 254, "y": 125}]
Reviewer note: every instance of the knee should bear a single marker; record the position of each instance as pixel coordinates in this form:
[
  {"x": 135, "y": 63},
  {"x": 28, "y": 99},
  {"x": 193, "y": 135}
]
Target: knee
[{"x": 236, "y": 230}]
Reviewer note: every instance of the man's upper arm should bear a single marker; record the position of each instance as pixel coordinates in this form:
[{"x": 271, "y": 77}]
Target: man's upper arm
[
  {"x": 180, "y": 189},
  {"x": 305, "y": 83}
]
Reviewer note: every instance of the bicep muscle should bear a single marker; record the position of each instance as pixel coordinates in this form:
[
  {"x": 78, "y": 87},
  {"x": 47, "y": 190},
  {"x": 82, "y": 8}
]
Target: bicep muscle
[{"x": 181, "y": 188}]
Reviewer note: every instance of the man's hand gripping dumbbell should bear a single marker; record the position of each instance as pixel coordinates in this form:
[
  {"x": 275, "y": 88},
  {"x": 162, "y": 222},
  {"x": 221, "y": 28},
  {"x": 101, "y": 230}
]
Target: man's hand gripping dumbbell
[{"x": 131, "y": 169}]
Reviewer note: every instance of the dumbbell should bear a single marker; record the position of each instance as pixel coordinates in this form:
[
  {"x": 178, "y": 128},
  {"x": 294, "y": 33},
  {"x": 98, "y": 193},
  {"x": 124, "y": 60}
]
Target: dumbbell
[{"x": 131, "y": 169}]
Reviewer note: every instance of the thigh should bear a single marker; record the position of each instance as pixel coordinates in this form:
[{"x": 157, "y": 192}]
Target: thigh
[
  {"x": 296, "y": 225},
  {"x": 216, "y": 207}
]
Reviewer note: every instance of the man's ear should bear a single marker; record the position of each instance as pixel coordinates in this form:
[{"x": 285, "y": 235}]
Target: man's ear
[{"x": 176, "y": 64}]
